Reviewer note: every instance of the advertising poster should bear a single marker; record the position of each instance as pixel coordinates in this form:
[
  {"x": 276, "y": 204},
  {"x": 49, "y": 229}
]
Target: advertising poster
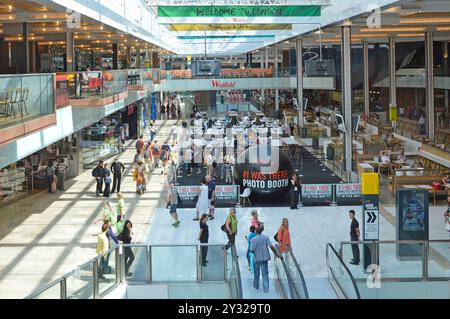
[
  {"x": 226, "y": 195},
  {"x": 348, "y": 194},
  {"x": 154, "y": 107},
  {"x": 412, "y": 221},
  {"x": 317, "y": 194}
]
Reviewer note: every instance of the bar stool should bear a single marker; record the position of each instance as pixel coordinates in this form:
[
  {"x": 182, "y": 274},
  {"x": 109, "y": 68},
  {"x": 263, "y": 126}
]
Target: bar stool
[
  {"x": 6, "y": 102},
  {"x": 23, "y": 100}
]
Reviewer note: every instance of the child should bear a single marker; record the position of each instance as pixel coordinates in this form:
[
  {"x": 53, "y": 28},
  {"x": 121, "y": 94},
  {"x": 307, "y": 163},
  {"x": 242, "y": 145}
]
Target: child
[{"x": 250, "y": 256}]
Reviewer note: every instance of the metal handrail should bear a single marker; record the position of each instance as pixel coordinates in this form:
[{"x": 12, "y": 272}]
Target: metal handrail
[
  {"x": 328, "y": 248},
  {"x": 119, "y": 271},
  {"x": 238, "y": 271},
  {"x": 294, "y": 292},
  {"x": 302, "y": 278}
]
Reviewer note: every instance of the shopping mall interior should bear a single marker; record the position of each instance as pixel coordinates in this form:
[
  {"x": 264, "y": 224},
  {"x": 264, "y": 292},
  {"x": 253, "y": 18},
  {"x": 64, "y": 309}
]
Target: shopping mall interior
[{"x": 140, "y": 140}]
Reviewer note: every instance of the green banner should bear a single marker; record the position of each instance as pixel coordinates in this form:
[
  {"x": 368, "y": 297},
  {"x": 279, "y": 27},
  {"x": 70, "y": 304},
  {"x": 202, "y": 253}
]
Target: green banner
[
  {"x": 239, "y": 11},
  {"x": 228, "y": 27}
]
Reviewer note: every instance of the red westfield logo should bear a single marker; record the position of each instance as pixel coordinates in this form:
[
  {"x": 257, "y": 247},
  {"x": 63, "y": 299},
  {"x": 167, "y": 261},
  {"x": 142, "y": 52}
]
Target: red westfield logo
[{"x": 220, "y": 84}]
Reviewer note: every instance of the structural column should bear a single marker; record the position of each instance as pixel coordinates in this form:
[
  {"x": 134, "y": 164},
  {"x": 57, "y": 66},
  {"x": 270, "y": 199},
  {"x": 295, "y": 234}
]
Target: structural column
[
  {"x": 299, "y": 50},
  {"x": 277, "y": 92},
  {"x": 24, "y": 61},
  {"x": 366, "y": 87},
  {"x": 445, "y": 54},
  {"x": 70, "y": 51},
  {"x": 128, "y": 54},
  {"x": 115, "y": 56},
  {"x": 138, "y": 58},
  {"x": 392, "y": 73},
  {"x": 347, "y": 94},
  {"x": 429, "y": 80},
  {"x": 263, "y": 66}
]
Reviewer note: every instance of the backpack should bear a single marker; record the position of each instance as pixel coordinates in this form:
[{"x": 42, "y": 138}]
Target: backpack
[
  {"x": 155, "y": 149},
  {"x": 276, "y": 237},
  {"x": 137, "y": 145},
  {"x": 95, "y": 171}
]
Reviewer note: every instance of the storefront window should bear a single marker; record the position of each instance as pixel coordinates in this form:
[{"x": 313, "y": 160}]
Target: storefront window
[
  {"x": 102, "y": 140},
  {"x": 14, "y": 180}
]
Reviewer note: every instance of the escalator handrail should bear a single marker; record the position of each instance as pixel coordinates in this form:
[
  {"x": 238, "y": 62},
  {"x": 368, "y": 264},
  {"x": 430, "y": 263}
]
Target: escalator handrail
[
  {"x": 330, "y": 247},
  {"x": 238, "y": 271},
  {"x": 292, "y": 287},
  {"x": 302, "y": 278}
]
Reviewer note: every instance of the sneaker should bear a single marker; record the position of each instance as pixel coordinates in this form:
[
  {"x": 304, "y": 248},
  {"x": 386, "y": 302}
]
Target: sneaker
[
  {"x": 204, "y": 265},
  {"x": 354, "y": 263},
  {"x": 177, "y": 223},
  {"x": 129, "y": 274},
  {"x": 195, "y": 219},
  {"x": 212, "y": 218}
]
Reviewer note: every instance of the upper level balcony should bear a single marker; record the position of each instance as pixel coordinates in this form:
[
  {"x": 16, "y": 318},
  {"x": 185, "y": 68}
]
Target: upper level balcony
[{"x": 27, "y": 104}]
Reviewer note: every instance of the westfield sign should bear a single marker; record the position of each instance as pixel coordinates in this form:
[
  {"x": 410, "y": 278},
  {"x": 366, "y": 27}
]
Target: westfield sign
[{"x": 222, "y": 84}]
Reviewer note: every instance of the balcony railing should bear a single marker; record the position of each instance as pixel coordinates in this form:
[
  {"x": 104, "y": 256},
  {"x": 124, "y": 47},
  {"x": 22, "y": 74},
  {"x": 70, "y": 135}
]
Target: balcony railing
[{"x": 26, "y": 97}]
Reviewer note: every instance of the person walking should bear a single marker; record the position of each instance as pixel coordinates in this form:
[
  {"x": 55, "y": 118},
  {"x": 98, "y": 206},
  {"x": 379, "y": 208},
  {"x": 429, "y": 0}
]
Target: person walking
[
  {"x": 284, "y": 238},
  {"x": 117, "y": 169},
  {"x": 152, "y": 132},
  {"x": 295, "y": 191},
  {"x": 101, "y": 249},
  {"x": 139, "y": 172},
  {"x": 99, "y": 173},
  {"x": 231, "y": 226},
  {"x": 108, "y": 180},
  {"x": 202, "y": 205},
  {"x": 259, "y": 247},
  {"x": 250, "y": 256},
  {"x": 120, "y": 213},
  {"x": 211, "y": 196},
  {"x": 255, "y": 220},
  {"x": 165, "y": 157},
  {"x": 50, "y": 175},
  {"x": 172, "y": 202},
  {"x": 61, "y": 170},
  {"x": 447, "y": 220},
  {"x": 354, "y": 236},
  {"x": 155, "y": 149},
  {"x": 140, "y": 144},
  {"x": 125, "y": 237},
  {"x": 112, "y": 242},
  {"x": 203, "y": 237}
]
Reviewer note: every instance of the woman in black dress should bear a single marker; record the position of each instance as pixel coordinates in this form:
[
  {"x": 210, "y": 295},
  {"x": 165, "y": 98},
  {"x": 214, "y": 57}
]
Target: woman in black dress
[{"x": 295, "y": 182}]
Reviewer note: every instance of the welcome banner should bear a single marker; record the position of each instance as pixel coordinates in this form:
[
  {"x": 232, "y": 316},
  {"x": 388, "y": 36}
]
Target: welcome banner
[
  {"x": 239, "y": 14},
  {"x": 229, "y": 27}
]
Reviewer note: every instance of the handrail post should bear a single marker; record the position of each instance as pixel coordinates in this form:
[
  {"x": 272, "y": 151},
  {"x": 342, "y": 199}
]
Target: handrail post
[
  {"x": 199, "y": 267},
  {"x": 121, "y": 268},
  {"x": 95, "y": 278},
  {"x": 118, "y": 266},
  {"x": 148, "y": 250},
  {"x": 63, "y": 288},
  {"x": 425, "y": 260},
  {"x": 225, "y": 256}
]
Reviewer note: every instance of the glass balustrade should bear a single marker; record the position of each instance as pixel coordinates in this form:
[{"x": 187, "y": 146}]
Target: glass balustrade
[{"x": 25, "y": 97}]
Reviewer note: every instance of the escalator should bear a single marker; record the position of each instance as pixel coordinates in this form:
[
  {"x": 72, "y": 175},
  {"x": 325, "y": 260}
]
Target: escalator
[{"x": 289, "y": 280}]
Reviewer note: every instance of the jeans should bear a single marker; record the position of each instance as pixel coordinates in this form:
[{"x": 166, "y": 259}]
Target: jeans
[
  {"x": 129, "y": 258},
  {"x": 263, "y": 267},
  {"x": 99, "y": 187},
  {"x": 355, "y": 250},
  {"x": 204, "y": 250},
  {"x": 231, "y": 239},
  {"x": 61, "y": 179},
  {"x": 107, "y": 190},
  {"x": 117, "y": 179},
  {"x": 49, "y": 183}
]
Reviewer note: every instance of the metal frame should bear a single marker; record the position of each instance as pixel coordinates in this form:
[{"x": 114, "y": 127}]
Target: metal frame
[
  {"x": 120, "y": 268},
  {"x": 154, "y": 3},
  {"x": 425, "y": 257}
]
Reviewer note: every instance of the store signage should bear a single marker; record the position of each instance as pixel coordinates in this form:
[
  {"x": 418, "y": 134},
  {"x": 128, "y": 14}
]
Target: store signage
[
  {"x": 393, "y": 113},
  {"x": 348, "y": 194},
  {"x": 229, "y": 27},
  {"x": 226, "y": 195},
  {"x": 317, "y": 194},
  {"x": 223, "y": 84},
  {"x": 371, "y": 226},
  {"x": 239, "y": 11}
]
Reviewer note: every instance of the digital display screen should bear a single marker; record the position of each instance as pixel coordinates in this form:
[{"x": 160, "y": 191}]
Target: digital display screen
[{"x": 413, "y": 212}]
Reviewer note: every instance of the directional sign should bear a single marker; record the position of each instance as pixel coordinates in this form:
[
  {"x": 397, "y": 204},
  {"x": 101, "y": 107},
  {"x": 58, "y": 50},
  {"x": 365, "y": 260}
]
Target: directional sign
[{"x": 371, "y": 226}]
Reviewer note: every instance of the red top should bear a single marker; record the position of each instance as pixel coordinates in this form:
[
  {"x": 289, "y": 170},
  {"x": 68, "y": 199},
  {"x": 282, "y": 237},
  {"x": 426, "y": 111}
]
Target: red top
[{"x": 284, "y": 238}]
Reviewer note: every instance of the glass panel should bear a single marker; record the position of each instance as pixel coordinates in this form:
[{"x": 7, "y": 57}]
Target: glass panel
[
  {"x": 296, "y": 276},
  {"x": 282, "y": 277},
  {"x": 401, "y": 260},
  {"x": 25, "y": 98},
  {"x": 341, "y": 276},
  {"x": 53, "y": 292},
  {"x": 166, "y": 265},
  {"x": 439, "y": 260},
  {"x": 109, "y": 272},
  {"x": 80, "y": 284},
  {"x": 214, "y": 270},
  {"x": 139, "y": 267}
]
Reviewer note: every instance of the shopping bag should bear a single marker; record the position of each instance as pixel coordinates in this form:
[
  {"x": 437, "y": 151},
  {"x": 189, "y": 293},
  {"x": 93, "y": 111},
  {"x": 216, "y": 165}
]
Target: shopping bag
[{"x": 54, "y": 186}]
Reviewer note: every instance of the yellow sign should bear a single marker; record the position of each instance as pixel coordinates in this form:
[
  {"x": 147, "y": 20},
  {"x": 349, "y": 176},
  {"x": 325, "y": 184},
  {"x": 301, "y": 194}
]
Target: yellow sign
[
  {"x": 189, "y": 58},
  {"x": 370, "y": 184},
  {"x": 228, "y": 27},
  {"x": 393, "y": 114}
]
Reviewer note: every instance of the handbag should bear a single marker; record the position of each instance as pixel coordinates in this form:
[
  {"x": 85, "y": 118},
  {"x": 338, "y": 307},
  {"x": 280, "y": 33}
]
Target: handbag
[{"x": 224, "y": 227}]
